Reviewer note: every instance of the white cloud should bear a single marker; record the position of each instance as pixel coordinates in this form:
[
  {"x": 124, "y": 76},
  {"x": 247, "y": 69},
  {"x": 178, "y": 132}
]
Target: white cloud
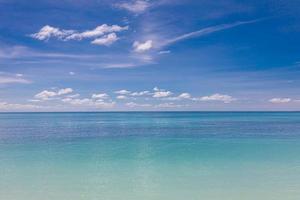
[
  {"x": 164, "y": 52},
  {"x": 4, "y": 79},
  {"x": 162, "y": 94},
  {"x": 122, "y": 97},
  {"x": 84, "y": 101},
  {"x": 142, "y": 47},
  {"x": 169, "y": 105},
  {"x": 46, "y": 95},
  {"x": 100, "y": 96},
  {"x": 206, "y": 31},
  {"x": 133, "y": 105},
  {"x": 119, "y": 65},
  {"x": 19, "y": 75},
  {"x": 280, "y": 100},
  {"x": 14, "y": 52},
  {"x": 73, "y": 96},
  {"x": 64, "y": 91},
  {"x": 97, "y": 103},
  {"x": 159, "y": 93},
  {"x": 104, "y": 105},
  {"x": 12, "y": 106},
  {"x": 48, "y": 32},
  {"x": 156, "y": 89},
  {"x": 184, "y": 96},
  {"x": 98, "y": 31},
  {"x": 122, "y": 92},
  {"x": 218, "y": 97},
  {"x": 106, "y": 40},
  {"x": 72, "y": 73},
  {"x": 137, "y": 6},
  {"x": 142, "y": 93},
  {"x": 180, "y": 97}
]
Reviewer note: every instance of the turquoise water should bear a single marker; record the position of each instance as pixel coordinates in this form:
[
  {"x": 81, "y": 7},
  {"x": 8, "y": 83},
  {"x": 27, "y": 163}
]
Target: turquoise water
[{"x": 157, "y": 156}]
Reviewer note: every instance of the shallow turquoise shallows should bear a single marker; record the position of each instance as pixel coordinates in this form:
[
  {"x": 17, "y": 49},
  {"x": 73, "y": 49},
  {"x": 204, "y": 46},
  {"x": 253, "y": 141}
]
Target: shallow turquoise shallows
[{"x": 150, "y": 156}]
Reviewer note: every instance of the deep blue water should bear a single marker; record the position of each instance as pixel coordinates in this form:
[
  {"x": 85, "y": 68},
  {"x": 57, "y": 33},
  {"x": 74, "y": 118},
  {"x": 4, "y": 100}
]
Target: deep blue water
[{"x": 181, "y": 124}]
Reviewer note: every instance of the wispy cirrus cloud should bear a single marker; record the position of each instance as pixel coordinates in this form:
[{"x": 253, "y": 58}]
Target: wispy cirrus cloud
[
  {"x": 135, "y": 6},
  {"x": 158, "y": 42},
  {"x": 8, "y": 78},
  {"x": 207, "y": 31},
  {"x": 17, "y": 106},
  {"x": 17, "y": 52}
]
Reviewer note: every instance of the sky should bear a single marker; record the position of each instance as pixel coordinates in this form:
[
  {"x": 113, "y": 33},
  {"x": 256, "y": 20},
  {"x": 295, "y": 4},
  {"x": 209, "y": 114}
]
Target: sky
[{"x": 143, "y": 55}]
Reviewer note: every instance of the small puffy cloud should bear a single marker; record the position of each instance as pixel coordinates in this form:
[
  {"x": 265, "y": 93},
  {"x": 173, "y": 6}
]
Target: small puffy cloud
[
  {"x": 133, "y": 105},
  {"x": 46, "y": 94},
  {"x": 184, "y": 96},
  {"x": 137, "y": 6},
  {"x": 72, "y": 73},
  {"x": 122, "y": 97},
  {"x": 280, "y": 100},
  {"x": 122, "y": 92},
  {"x": 142, "y": 93},
  {"x": 156, "y": 89},
  {"x": 142, "y": 47},
  {"x": 160, "y": 93},
  {"x": 106, "y": 40},
  {"x": 19, "y": 75},
  {"x": 218, "y": 97},
  {"x": 64, "y": 91},
  {"x": 100, "y": 96}
]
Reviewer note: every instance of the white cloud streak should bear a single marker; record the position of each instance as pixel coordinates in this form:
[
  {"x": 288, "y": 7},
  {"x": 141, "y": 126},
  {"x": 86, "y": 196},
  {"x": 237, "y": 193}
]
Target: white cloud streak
[
  {"x": 14, "y": 106},
  {"x": 218, "y": 97},
  {"x": 137, "y": 6},
  {"x": 100, "y": 96},
  {"x": 206, "y": 31},
  {"x": 280, "y": 100}
]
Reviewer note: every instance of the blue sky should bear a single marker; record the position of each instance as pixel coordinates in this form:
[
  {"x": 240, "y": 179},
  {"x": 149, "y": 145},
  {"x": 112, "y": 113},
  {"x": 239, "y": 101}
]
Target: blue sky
[{"x": 78, "y": 55}]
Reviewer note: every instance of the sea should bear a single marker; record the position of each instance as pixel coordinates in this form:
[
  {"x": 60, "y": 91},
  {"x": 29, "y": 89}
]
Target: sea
[{"x": 150, "y": 156}]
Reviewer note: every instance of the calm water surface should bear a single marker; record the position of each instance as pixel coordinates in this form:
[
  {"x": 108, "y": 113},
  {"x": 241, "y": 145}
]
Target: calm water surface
[{"x": 151, "y": 156}]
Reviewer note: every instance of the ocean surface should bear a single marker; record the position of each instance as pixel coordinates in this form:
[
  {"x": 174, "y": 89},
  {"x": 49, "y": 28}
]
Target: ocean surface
[{"x": 150, "y": 156}]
